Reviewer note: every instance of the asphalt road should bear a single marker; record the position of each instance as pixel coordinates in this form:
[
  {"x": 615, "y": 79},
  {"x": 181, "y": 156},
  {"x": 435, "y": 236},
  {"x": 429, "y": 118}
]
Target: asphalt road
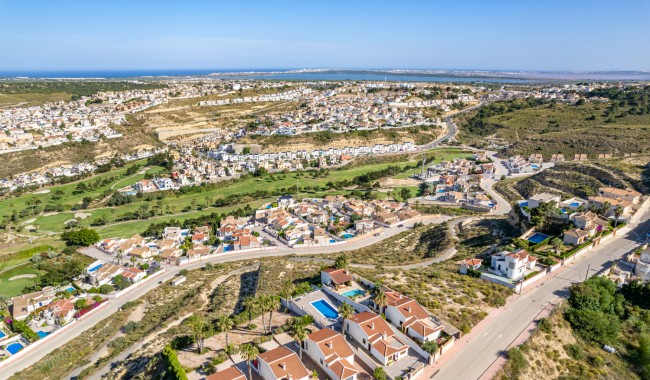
[
  {"x": 36, "y": 353},
  {"x": 486, "y": 346}
]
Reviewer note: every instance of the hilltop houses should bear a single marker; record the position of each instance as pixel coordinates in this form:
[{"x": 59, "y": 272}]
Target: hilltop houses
[{"x": 512, "y": 265}]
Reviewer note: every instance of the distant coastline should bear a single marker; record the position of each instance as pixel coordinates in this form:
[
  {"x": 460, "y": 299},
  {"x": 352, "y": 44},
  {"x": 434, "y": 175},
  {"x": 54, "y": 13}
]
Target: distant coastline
[{"x": 424, "y": 75}]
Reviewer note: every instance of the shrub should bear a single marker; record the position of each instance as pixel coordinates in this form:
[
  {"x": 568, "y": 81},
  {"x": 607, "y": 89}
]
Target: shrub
[
  {"x": 252, "y": 326},
  {"x": 174, "y": 366},
  {"x": 21, "y": 327},
  {"x": 181, "y": 342},
  {"x": 183, "y": 272},
  {"x": 380, "y": 374},
  {"x": 545, "y": 325},
  {"x": 106, "y": 288},
  {"x": 517, "y": 360},
  {"x": 574, "y": 351}
]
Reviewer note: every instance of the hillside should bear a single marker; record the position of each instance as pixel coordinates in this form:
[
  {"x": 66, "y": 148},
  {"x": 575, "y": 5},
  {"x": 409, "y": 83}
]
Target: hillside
[
  {"x": 581, "y": 179},
  {"x": 421, "y": 134},
  {"x": 135, "y": 136},
  {"x": 619, "y": 125}
]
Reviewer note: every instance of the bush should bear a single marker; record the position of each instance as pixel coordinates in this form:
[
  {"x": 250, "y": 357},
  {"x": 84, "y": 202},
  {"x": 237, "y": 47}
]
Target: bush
[
  {"x": 545, "y": 325},
  {"x": 130, "y": 327},
  {"x": 181, "y": 342},
  {"x": 21, "y": 327},
  {"x": 106, "y": 288},
  {"x": 380, "y": 374},
  {"x": 252, "y": 326},
  {"x": 174, "y": 366},
  {"x": 183, "y": 272},
  {"x": 517, "y": 360},
  {"x": 574, "y": 351}
]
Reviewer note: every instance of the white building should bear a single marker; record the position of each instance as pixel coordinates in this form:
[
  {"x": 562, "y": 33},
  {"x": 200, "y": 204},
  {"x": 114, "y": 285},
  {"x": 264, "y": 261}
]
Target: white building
[
  {"x": 374, "y": 334},
  {"x": 512, "y": 264}
]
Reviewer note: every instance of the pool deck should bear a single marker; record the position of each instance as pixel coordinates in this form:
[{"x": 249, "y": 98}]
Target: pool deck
[{"x": 304, "y": 303}]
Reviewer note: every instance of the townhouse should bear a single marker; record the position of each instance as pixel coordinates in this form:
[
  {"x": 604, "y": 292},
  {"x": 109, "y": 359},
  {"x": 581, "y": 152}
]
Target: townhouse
[
  {"x": 376, "y": 336},
  {"x": 332, "y": 353}
]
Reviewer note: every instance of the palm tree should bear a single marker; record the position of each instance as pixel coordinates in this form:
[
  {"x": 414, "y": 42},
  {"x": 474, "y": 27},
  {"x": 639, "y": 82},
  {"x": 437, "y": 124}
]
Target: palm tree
[
  {"x": 556, "y": 243},
  {"x": 381, "y": 301},
  {"x": 618, "y": 211},
  {"x": 119, "y": 255},
  {"x": 224, "y": 324},
  {"x": 4, "y": 302},
  {"x": 250, "y": 352},
  {"x": 261, "y": 306},
  {"x": 287, "y": 291},
  {"x": 604, "y": 208},
  {"x": 345, "y": 311},
  {"x": 273, "y": 304},
  {"x": 199, "y": 329},
  {"x": 299, "y": 333},
  {"x": 250, "y": 304},
  {"x": 133, "y": 260},
  {"x": 31, "y": 302}
]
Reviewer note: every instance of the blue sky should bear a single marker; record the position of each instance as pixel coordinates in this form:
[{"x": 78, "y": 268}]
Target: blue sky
[{"x": 499, "y": 35}]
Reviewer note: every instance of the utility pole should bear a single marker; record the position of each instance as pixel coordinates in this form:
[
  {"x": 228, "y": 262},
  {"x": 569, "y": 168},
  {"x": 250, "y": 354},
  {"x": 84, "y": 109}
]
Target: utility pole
[{"x": 588, "y": 269}]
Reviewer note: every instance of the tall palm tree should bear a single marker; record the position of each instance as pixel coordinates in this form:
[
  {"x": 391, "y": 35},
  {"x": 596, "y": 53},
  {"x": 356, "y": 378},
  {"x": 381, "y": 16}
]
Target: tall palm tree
[
  {"x": 250, "y": 304},
  {"x": 299, "y": 333},
  {"x": 618, "y": 211},
  {"x": 31, "y": 302},
  {"x": 4, "y": 302},
  {"x": 381, "y": 301},
  {"x": 345, "y": 311},
  {"x": 250, "y": 352},
  {"x": 605, "y": 208},
  {"x": 133, "y": 260},
  {"x": 224, "y": 324},
  {"x": 274, "y": 304},
  {"x": 262, "y": 306},
  {"x": 119, "y": 255}
]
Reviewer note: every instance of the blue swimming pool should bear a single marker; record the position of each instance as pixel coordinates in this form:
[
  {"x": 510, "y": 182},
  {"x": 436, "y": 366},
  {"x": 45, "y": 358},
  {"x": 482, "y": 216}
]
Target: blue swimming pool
[
  {"x": 332, "y": 241},
  {"x": 348, "y": 236},
  {"x": 227, "y": 248},
  {"x": 537, "y": 237},
  {"x": 574, "y": 204},
  {"x": 523, "y": 204},
  {"x": 2, "y": 334},
  {"x": 353, "y": 293},
  {"x": 534, "y": 166},
  {"x": 95, "y": 267},
  {"x": 14, "y": 347},
  {"x": 326, "y": 309},
  {"x": 42, "y": 334},
  {"x": 69, "y": 289}
]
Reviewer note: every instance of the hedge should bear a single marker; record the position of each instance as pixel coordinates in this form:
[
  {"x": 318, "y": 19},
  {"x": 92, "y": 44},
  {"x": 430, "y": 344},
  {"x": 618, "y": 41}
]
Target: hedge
[
  {"x": 173, "y": 365},
  {"x": 22, "y": 328}
]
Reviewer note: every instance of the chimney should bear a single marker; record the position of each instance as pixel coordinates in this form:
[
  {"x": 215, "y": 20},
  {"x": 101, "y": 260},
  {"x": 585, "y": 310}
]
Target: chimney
[
  {"x": 372, "y": 326},
  {"x": 329, "y": 344},
  {"x": 409, "y": 309},
  {"x": 283, "y": 365}
]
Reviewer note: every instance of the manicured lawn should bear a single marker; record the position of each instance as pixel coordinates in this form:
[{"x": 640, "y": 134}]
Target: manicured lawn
[
  {"x": 14, "y": 288},
  {"x": 177, "y": 204},
  {"x": 22, "y": 256}
]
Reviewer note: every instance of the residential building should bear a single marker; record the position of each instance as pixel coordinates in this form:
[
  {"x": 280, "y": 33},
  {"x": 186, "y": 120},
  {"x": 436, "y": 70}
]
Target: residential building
[
  {"x": 512, "y": 265},
  {"x": 373, "y": 333},
  {"x": 335, "y": 278},
  {"x": 332, "y": 353},
  {"x": 280, "y": 364},
  {"x": 231, "y": 373}
]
